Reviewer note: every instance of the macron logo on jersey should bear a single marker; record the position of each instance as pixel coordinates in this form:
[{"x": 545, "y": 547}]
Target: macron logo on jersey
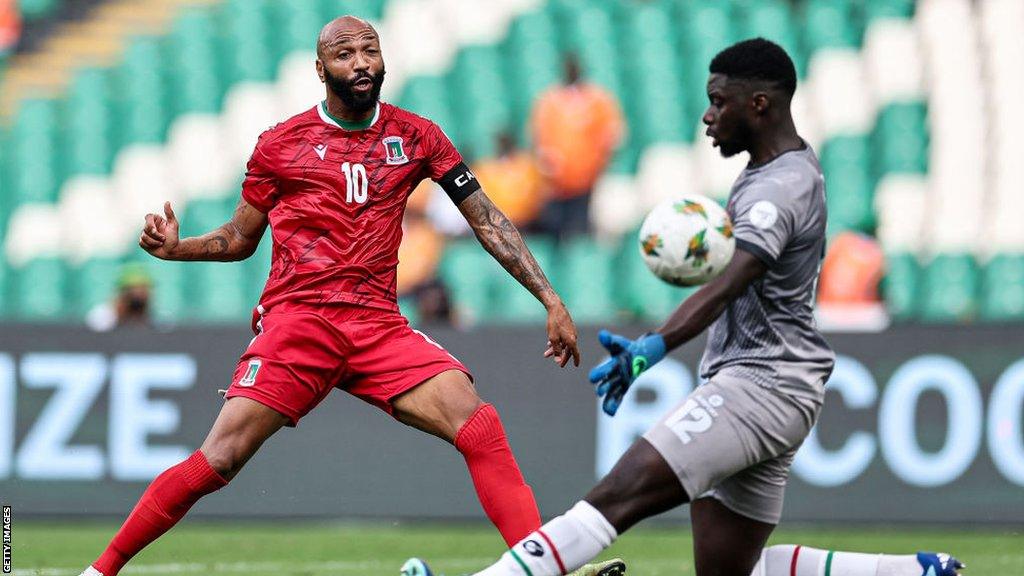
[{"x": 321, "y": 150}]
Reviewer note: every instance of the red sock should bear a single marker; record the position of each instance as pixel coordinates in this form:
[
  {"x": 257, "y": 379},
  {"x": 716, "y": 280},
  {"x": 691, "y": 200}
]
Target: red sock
[
  {"x": 505, "y": 496},
  {"x": 167, "y": 499}
]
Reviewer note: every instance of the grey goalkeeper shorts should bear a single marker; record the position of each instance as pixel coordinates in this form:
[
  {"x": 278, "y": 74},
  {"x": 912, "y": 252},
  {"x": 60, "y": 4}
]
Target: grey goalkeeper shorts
[{"x": 734, "y": 440}]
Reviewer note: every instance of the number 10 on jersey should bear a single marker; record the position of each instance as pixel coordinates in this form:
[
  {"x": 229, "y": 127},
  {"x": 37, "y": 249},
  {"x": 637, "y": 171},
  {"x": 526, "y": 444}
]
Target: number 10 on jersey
[{"x": 356, "y": 182}]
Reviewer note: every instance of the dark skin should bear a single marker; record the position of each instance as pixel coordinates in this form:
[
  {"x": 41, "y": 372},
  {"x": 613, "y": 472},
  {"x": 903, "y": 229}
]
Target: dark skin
[
  {"x": 348, "y": 50},
  {"x": 743, "y": 115}
]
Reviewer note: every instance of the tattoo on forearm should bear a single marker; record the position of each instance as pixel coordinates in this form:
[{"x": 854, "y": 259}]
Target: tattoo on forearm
[
  {"x": 501, "y": 238},
  {"x": 212, "y": 246},
  {"x": 216, "y": 245},
  {"x": 235, "y": 240}
]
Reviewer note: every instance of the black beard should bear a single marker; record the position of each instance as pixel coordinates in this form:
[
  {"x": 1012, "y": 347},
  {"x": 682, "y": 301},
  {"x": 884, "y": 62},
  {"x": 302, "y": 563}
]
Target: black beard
[
  {"x": 738, "y": 143},
  {"x": 358, "y": 103},
  {"x": 728, "y": 151}
]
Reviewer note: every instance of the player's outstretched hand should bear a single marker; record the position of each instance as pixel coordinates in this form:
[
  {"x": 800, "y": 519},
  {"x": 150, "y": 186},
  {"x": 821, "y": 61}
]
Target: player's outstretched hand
[
  {"x": 629, "y": 359},
  {"x": 160, "y": 233},
  {"x": 562, "y": 337}
]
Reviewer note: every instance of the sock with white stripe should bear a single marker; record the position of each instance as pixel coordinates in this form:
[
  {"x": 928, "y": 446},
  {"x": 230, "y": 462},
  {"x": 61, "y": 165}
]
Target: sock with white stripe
[
  {"x": 558, "y": 547},
  {"x": 789, "y": 560}
]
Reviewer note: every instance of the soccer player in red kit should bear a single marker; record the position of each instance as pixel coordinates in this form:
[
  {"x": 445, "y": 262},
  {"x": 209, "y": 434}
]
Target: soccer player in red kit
[{"x": 332, "y": 183}]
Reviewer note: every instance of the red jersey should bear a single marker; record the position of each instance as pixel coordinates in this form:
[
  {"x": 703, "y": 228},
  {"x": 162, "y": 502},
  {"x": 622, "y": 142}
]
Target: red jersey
[{"x": 335, "y": 194}]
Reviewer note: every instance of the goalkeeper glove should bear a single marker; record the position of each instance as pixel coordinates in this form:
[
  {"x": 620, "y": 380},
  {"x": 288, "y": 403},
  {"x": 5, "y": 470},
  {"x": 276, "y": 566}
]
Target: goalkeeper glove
[{"x": 630, "y": 358}]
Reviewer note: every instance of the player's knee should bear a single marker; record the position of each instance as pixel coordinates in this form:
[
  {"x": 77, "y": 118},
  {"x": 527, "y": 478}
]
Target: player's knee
[
  {"x": 227, "y": 456},
  {"x": 481, "y": 429},
  {"x": 466, "y": 408},
  {"x": 220, "y": 461},
  {"x": 461, "y": 405}
]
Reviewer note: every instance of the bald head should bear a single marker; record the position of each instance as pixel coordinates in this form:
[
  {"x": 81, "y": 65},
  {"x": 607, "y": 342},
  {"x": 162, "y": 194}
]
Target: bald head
[{"x": 342, "y": 30}]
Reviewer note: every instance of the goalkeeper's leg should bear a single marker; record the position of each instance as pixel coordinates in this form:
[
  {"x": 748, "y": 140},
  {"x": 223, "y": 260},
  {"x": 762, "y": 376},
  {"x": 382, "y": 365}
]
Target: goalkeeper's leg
[
  {"x": 242, "y": 426},
  {"x": 790, "y": 560}
]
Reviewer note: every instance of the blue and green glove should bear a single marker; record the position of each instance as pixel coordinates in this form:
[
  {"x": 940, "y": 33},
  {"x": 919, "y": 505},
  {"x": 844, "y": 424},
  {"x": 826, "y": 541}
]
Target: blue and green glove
[{"x": 630, "y": 358}]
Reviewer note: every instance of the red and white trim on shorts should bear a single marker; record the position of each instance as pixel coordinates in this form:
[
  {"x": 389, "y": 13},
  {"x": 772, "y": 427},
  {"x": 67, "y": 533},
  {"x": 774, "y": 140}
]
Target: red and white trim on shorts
[
  {"x": 554, "y": 551},
  {"x": 792, "y": 564}
]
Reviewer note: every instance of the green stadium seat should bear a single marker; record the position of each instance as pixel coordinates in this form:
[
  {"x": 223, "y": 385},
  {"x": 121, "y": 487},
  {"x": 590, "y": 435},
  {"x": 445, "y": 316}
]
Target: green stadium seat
[
  {"x": 534, "y": 34},
  {"x": 586, "y": 280},
  {"x": 217, "y": 292},
  {"x": 900, "y": 139},
  {"x": 901, "y": 286},
  {"x": 36, "y": 9},
  {"x": 204, "y": 215},
  {"x": 591, "y": 35},
  {"x": 468, "y": 271},
  {"x": 38, "y": 290},
  {"x": 369, "y": 9},
  {"x": 5, "y": 301},
  {"x": 169, "y": 302},
  {"x": 428, "y": 96},
  {"x": 87, "y": 118},
  {"x": 950, "y": 289},
  {"x": 1002, "y": 288},
  {"x": 194, "y": 67},
  {"x": 93, "y": 282},
  {"x": 846, "y": 162},
  {"x": 706, "y": 27},
  {"x": 829, "y": 24},
  {"x": 32, "y": 163},
  {"x": 245, "y": 44},
  {"x": 773, "y": 19},
  {"x": 873, "y": 9},
  {"x": 6, "y": 182},
  {"x": 657, "y": 109},
  {"x": 141, "y": 90},
  {"x": 479, "y": 77},
  {"x": 297, "y": 25}
]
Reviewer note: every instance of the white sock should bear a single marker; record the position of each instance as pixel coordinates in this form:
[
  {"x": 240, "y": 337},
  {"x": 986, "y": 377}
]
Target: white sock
[
  {"x": 779, "y": 561},
  {"x": 90, "y": 571},
  {"x": 558, "y": 547}
]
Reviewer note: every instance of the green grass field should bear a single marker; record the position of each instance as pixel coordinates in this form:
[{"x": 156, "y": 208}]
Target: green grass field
[{"x": 265, "y": 548}]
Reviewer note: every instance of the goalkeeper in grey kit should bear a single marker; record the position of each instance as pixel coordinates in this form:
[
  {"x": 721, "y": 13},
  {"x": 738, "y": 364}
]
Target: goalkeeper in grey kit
[{"x": 727, "y": 448}]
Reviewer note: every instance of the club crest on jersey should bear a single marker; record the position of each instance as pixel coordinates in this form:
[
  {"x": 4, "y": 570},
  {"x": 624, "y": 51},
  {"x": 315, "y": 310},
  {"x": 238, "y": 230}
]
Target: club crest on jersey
[
  {"x": 394, "y": 149},
  {"x": 250, "y": 373}
]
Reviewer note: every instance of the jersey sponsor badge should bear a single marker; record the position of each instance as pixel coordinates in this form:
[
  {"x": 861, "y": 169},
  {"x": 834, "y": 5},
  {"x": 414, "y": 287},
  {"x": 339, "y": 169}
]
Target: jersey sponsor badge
[
  {"x": 321, "y": 150},
  {"x": 763, "y": 214},
  {"x": 395, "y": 151},
  {"x": 250, "y": 373}
]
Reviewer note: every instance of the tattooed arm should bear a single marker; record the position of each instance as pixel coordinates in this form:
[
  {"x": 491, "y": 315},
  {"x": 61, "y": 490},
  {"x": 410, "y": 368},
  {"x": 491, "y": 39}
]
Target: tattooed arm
[
  {"x": 235, "y": 240},
  {"x": 502, "y": 240}
]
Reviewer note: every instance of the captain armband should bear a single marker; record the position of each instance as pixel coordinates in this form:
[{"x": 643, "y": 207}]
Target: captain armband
[{"x": 459, "y": 183}]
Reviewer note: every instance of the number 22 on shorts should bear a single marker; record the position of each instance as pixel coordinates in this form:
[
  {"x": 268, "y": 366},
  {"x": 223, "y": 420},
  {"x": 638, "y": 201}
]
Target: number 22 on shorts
[{"x": 696, "y": 415}]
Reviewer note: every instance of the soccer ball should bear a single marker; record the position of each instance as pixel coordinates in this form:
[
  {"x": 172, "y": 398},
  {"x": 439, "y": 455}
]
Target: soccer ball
[{"x": 687, "y": 241}]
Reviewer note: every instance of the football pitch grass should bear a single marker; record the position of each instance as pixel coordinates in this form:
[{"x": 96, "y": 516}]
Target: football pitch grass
[{"x": 372, "y": 549}]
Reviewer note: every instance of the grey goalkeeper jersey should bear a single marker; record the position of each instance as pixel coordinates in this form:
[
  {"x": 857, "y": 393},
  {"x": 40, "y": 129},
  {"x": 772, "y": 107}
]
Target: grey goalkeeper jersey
[{"x": 768, "y": 335}]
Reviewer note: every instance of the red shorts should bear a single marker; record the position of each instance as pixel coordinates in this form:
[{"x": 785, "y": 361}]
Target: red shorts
[{"x": 302, "y": 352}]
